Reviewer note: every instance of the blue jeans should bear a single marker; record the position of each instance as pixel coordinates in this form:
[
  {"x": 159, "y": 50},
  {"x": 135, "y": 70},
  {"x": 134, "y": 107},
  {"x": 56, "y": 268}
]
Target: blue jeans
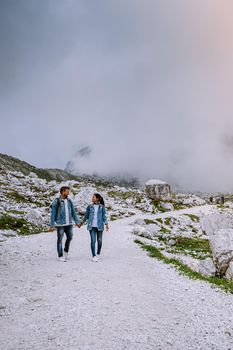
[
  {"x": 68, "y": 230},
  {"x": 93, "y": 233}
]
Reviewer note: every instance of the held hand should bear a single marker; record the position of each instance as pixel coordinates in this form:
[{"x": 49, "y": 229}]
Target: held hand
[
  {"x": 52, "y": 229},
  {"x": 79, "y": 225},
  {"x": 107, "y": 227}
]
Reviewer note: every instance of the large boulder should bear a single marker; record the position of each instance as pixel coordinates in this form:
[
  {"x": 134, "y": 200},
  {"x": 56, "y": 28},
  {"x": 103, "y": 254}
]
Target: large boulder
[
  {"x": 157, "y": 189},
  {"x": 218, "y": 227},
  {"x": 210, "y": 224},
  {"x": 221, "y": 243},
  {"x": 35, "y": 217},
  {"x": 229, "y": 272}
]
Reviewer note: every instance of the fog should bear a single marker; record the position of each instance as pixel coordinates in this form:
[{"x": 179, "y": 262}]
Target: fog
[{"x": 147, "y": 85}]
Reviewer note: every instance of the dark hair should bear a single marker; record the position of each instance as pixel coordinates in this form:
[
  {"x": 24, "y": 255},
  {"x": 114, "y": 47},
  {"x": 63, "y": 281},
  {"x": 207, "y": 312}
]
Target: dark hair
[
  {"x": 64, "y": 188},
  {"x": 100, "y": 198}
]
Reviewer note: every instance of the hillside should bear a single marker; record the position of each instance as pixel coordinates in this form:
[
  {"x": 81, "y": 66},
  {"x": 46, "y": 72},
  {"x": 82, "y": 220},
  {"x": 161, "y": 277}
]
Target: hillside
[{"x": 8, "y": 163}]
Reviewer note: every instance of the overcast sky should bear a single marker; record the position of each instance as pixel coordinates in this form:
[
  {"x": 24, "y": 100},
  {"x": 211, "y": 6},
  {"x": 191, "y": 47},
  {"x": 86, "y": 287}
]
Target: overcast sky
[{"x": 146, "y": 84}]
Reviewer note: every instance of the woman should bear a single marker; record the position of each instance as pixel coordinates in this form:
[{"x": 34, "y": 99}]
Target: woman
[{"x": 96, "y": 216}]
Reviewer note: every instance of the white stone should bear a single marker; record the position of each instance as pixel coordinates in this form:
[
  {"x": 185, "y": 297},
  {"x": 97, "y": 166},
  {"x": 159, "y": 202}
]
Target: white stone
[{"x": 167, "y": 206}]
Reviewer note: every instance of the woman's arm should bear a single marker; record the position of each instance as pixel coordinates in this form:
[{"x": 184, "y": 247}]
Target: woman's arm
[
  {"x": 86, "y": 215},
  {"x": 105, "y": 220}
]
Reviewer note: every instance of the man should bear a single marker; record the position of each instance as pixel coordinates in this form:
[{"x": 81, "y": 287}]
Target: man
[{"x": 62, "y": 214}]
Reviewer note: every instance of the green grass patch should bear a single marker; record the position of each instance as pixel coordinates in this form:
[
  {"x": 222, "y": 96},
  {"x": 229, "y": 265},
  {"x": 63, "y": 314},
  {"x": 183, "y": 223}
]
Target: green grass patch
[
  {"x": 178, "y": 206},
  {"x": 126, "y": 195},
  {"x": 158, "y": 206},
  {"x": 164, "y": 230},
  {"x": 167, "y": 221},
  {"x": 185, "y": 270},
  {"x": 159, "y": 220},
  {"x": 149, "y": 222},
  {"x": 193, "y": 244},
  {"x": 16, "y": 212},
  {"x": 193, "y": 217},
  {"x": 114, "y": 217},
  {"x": 20, "y": 225}
]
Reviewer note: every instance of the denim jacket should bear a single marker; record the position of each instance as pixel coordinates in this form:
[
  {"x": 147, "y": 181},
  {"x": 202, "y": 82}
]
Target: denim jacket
[
  {"x": 101, "y": 217},
  {"x": 58, "y": 217}
]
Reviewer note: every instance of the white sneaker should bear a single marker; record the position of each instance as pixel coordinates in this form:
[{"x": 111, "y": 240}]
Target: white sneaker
[
  {"x": 98, "y": 256},
  {"x": 95, "y": 259},
  {"x": 60, "y": 259},
  {"x": 66, "y": 256}
]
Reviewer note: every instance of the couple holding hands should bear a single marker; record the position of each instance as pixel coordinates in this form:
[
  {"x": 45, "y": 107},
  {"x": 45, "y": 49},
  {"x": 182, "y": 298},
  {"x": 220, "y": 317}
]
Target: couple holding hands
[{"x": 63, "y": 214}]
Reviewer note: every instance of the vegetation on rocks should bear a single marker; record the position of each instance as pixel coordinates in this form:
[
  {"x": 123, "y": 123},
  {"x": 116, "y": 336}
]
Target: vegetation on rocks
[
  {"x": 137, "y": 197},
  {"x": 20, "y": 225},
  {"x": 193, "y": 217}
]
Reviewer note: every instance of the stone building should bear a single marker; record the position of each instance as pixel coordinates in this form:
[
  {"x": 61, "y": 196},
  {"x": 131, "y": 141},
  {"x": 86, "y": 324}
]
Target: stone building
[{"x": 157, "y": 189}]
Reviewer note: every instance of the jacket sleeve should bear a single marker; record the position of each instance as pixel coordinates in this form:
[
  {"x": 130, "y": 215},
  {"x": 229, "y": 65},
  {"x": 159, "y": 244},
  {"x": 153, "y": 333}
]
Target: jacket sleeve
[
  {"x": 105, "y": 220},
  {"x": 74, "y": 214},
  {"x": 86, "y": 215},
  {"x": 53, "y": 212}
]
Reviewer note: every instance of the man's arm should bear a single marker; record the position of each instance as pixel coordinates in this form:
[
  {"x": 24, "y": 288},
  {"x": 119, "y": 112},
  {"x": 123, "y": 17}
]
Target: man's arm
[
  {"x": 53, "y": 213},
  {"x": 74, "y": 214}
]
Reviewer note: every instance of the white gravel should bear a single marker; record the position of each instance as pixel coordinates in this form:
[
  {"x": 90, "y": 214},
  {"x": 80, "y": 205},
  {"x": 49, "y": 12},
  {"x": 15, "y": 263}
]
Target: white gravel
[{"x": 125, "y": 301}]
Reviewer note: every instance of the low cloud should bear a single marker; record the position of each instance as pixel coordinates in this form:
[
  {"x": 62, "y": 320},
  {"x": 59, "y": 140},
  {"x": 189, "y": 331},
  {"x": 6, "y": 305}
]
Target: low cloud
[{"x": 147, "y": 86}]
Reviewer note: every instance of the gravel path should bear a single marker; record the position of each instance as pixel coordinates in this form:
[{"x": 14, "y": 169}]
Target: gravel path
[{"x": 125, "y": 301}]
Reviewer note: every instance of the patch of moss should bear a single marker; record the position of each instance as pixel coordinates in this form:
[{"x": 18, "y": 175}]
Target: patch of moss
[
  {"x": 159, "y": 220},
  {"x": 185, "y": 270}
]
